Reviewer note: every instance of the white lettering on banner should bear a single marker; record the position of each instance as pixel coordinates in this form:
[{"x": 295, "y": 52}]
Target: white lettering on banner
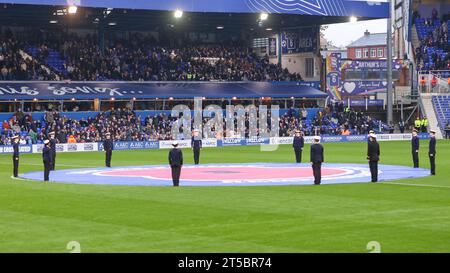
[
  {"x": 86, "y": 90},
  {"x": 10, "y": 149},
  {"x": 394, "y": 137},
  {"x": 209, "y": 142},
  {"x": 167, "y": 144},
  {"x": 24, "y": 90}
]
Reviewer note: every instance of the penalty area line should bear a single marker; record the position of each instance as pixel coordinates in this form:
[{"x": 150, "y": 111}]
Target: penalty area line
[{"x": 416, "y": 185}]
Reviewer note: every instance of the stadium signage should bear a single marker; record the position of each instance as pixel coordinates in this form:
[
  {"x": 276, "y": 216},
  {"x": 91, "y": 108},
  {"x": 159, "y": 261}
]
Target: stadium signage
[
  {"x": 68, "y": 147},
  {"x": 26, "y": 149},
  {"x": 209, "y": 142},
  {"x": 167, "y": 144},
  {"x": 148, "y": 90},
  {"x": 85, "y": 90},
  {"x": 24, "y": 90},
  {"x": 257, "y": 141},
  {"x": 233, "y": 142},
  {"x": 143, "y": 145}
]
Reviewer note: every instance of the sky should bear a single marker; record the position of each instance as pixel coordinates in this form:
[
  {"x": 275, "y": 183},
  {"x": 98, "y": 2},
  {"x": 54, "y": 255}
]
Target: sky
[{"x": 345, "y": 33}]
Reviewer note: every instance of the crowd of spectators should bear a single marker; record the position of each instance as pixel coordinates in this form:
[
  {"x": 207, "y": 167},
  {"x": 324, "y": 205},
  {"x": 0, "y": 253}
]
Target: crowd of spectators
[
  {"x": 141, "y": 58},
  {"x": 433, "y": 52},
  {"x": 345, "y": 121},
  {"x": 14, "y": 65},
  {"x": 125, "y": 125}
]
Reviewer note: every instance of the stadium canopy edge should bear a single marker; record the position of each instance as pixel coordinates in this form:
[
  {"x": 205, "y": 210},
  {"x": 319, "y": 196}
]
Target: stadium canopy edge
[{"x": 335, "y": 8}]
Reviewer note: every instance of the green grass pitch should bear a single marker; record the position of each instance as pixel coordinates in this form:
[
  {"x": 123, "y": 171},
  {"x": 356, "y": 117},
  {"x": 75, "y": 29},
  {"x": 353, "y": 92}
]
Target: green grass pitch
[{"x": 38, "y": 217}]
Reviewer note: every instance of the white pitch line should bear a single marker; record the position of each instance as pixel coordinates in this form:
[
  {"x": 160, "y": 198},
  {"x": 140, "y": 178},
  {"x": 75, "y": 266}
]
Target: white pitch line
[
  {"x": 21, "y": 179},
  {"x": 35, "y": 164},
  {"x": 416, "y": 185}
]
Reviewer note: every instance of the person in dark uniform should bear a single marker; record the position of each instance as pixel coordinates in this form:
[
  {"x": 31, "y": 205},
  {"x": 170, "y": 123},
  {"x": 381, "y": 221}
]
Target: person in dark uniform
[
  {"x": 415, "y": 148},
  {"x": 15, "y": 155},
  {"x": 373, "y": 155},
  {"x": 47, "y": 159},
  {"x": 368, "y": 136},
  {"x": 108, "y": 147},
  {"x": 196, "y": 145},
  {"x": 298, "y": 144},
  {"x": 401, "y": 126},
  {"x": 53, "y": 150},
  {"x": 176, "y": 162},
  {"x": 317, "y": 159},
  {"x": 432, "y": 152}
]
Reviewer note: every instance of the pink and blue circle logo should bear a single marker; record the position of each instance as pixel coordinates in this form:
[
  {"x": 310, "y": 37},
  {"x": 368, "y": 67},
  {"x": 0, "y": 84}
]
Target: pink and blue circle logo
[{"x": 254, "y": 174}]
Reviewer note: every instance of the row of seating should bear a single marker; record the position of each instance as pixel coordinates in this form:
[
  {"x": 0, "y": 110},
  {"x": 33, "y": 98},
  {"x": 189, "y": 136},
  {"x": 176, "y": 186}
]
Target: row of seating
[
  {"x": 53, "y": 60},
  {"x": 441, "y": 106}
]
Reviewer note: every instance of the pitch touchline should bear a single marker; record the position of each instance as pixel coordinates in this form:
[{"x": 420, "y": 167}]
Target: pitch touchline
[{"x": 415, "y": 185}]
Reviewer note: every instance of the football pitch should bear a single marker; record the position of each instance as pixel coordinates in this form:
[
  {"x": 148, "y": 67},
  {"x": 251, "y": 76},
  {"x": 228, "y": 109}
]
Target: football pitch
[{"x": 410, "y": 215}]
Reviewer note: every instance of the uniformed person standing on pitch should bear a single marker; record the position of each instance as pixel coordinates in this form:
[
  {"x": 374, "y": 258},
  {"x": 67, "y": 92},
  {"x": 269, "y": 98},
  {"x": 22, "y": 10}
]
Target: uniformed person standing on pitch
[
  {"x": 415, "y": 148},
  {"x": 317, "y": 159},
  {"x": 373, "y": 155},
  {"x": 47, "y": 159},
  {"x": 176, "y": 162},
  {"x": 15, "y": 156},
  {"x": 53, "y": 150},
  {"x": 432, "y": 152},
  {"x": 108, "y": 147},
  {"x": 298, "y": 144},
  {"x": 196, "y": 145}
]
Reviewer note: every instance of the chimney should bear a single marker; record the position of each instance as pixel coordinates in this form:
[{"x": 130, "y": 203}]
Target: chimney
[{"x": 366, "y": 33}]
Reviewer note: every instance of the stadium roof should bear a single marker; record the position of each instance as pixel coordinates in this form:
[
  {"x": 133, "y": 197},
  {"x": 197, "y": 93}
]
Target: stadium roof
[
  {"x": 152, "y": 90},
  {"x": 359, "y": 8},
  {"x": 370, "y": 39},
  {"x": 156, "y": 15}
]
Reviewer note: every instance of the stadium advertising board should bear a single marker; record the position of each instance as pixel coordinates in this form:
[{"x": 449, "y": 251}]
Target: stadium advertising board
[
  {"x": 357, "y": 77},
  {"x": 209, "y": 142},
  {"x": 232, "y": 142},
  {"x": 132, "y": 145},
  {"x": 167, "y": 144},
  {"x": 69, "y": 147},
  {"x": 257, "y": 141},
  {"x": 333, "y": 78},
  {"x": 8, "y": 149}
]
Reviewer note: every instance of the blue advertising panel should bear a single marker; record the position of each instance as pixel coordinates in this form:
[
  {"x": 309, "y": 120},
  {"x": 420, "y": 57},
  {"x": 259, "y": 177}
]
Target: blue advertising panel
[
  {"x": 257, "y": 141},
  {"x": 23, "y": 149},
  {"x": 361, "y": 8},
  {"x": 132, "y": 145},
  {"x": 232, "y": 142},
  {"x": 123, "y": 90}
]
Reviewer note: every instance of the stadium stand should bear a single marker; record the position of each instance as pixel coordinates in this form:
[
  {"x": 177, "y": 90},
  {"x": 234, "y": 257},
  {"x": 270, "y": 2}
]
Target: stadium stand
[
  {"x": 139, "y": 58},
  {"x": 442, "y": 107},
  {"x": 434, "y": 50},
  {"x": 16, "y": 65}
]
